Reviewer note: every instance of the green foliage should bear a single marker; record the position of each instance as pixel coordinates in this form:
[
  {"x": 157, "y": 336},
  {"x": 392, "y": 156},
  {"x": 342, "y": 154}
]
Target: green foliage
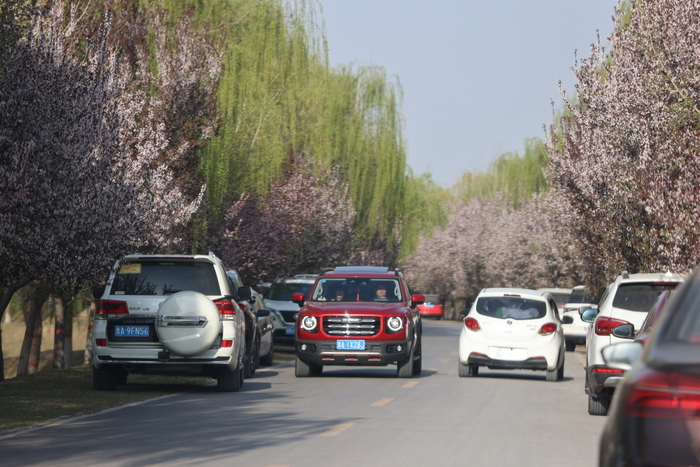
[{"x": 514, "y": 177}]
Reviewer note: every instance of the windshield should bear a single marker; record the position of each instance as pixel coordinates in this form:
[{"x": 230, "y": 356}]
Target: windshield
[
  {"x": 640, "y": 297},
  {"x": 165, "y": 277},
  {"x": 357, "y": 289},
  {"x": 511, "y": 307},
  {"x": 283, "y": 291}
]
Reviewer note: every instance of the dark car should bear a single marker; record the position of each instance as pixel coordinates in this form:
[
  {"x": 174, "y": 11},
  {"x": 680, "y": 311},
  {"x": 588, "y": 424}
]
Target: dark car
[
  {"x": 654, "y": 418},
  {"x": 258, "y": 325},
  {"x": 361, "y": 315}
]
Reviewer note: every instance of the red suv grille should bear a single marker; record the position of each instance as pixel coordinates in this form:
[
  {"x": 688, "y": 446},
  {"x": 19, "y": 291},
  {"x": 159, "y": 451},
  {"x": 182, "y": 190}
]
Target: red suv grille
[{"x": 351, "y": 325}]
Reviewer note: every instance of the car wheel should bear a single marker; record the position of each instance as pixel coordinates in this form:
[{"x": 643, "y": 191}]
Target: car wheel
[
  {"x": 560, "y": 372},
  {"x": 187, "y": 323},
  {"x": 267, "y": 359},
  {"x": 473, "y": 369},
  {"x": 570, "y": 346},
  {"x": 104, "y": 379},
  {"x": 228, "y": 381},
  {"x": 598, "y": 405},
  {"x": 303, "y": 369},
  {"x": 405, "y": 367},
  {"x": 120, "y": 376},
  {"x": 462, "y": 369},
  {"x": 250, "y": 360},
  {"x": 418, "y": 360}
]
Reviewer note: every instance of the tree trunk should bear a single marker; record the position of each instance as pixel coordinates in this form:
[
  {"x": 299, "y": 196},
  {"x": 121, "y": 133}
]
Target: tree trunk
[
  {"x": 6, "y": 297},
  {"x": 68, "y": 338},
  {"x": 32, "y": 313},
  {"x": 59, "y": 338},
  {"x": 88, "y": 341},
  {"x": 35, "y": 350}
]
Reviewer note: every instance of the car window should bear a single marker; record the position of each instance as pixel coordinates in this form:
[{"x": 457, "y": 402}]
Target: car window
[
  {"x": 432, "y": 299},
  {"x": 639, "y": 297},
  {"x": 560, "y": 297},
  {"x": 283, "y": 291},
  {"x": 511, "y": 307},
  {"x": 165, "y": 277},
  {"x": 357, "y": 289}
]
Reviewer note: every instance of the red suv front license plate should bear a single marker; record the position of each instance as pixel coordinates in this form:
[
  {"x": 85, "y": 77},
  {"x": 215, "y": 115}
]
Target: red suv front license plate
[
  {"x": 350, "y": 345},
  {"x": 131, "y": 331}
]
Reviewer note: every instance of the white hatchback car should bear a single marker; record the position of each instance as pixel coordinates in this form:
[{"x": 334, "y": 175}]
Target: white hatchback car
[
  {"x": 510, "y": 329},
  {"x": 169, "y": 315},
  {"x": 627, "y": 300}
]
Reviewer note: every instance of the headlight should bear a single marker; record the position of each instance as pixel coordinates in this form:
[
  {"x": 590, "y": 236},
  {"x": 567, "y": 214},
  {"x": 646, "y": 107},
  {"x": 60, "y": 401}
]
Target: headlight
[
  {"x": 309, "y": 323},
  {"x": 394, "y": 324}
]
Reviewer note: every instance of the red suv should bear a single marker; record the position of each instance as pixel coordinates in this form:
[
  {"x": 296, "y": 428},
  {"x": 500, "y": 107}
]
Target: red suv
[{"x": 358, "y": 315}]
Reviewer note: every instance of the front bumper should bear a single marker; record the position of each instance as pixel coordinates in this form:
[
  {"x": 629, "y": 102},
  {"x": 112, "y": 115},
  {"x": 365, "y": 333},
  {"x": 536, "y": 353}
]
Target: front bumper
[{"x": 376, "y": 353}]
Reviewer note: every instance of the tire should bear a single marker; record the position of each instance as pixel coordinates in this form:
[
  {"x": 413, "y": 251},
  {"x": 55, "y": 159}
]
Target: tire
[
  {"x": 303, "y": 369},
  {"x": 570, "y": 346},
  {"x": 404, "y": 368},
  {"x": 473, "y": 369},
  {"x": 418, "y": 359},
  {"x": 187, "y": 323},
  {"x": 104, "y": 379},
  {"x": 560, "y": 372},
  {"x": 251, "y": 360},
  {"x": 462, "y": 369},
  {"x": 228, "y": 381},
  {"x": 267, "y": 359},
  {"x": 598, "y": 405}
]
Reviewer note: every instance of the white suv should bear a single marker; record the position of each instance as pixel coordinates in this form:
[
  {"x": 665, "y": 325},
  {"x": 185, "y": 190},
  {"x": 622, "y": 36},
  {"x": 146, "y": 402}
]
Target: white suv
[
  {"x": 279, "y": 301},
  {"x": 171, "y": 315},
  {"x": 625, "y": 301}
]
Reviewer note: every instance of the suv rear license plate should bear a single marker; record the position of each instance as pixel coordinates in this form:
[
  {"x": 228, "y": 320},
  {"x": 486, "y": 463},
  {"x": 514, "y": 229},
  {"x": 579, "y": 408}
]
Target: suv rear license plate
[
  {"x": 350, "y": 345},
  {"x": 131, "y": 331}
]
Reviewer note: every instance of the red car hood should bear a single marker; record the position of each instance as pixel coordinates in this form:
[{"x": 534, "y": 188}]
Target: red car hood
[{"x": 355, "y": 308}]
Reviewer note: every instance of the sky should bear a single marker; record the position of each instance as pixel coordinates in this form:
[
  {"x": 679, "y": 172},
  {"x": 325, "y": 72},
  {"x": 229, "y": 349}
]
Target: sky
[{"x": 478, "y": 76}]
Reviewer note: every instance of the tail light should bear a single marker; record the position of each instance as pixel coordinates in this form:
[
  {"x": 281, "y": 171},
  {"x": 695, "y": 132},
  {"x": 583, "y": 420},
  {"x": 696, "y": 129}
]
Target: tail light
[
  {"x": 227, "y": 310},
  {"x": 472, "y": 324},
  {"x": 227, "y": 343},
  {"x": 111, "y": 309},
  {"x": 547, "y": 329},
  {"x": 605, "y": 325},
  {"x": 664, "y": 395}
]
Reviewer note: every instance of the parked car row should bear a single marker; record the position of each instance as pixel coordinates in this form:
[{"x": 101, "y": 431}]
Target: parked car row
[{"x": 178, "y": 315}]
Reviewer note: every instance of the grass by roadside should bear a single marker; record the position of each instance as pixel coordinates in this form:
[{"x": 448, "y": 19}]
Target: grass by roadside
[{"x": 51, "y": 394}]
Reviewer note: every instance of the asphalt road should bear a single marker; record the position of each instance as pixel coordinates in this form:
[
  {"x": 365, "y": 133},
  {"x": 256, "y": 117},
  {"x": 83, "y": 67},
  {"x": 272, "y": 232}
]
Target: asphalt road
[{"x": 349, "y": 416}]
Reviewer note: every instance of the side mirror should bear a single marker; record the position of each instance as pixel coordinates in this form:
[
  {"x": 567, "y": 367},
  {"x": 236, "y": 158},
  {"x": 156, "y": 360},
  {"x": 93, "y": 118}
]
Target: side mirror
[
  {"x": 589, "y": 315},
  {"x": 298, "y": 298},
  {"x": 418, "y": 299},
  {"x": 262, "y": 313},
  {"x": 585, "y": 308},
  {"x": 622, "y": 355},
  {"x": 464, "y": 312},
  {"x": 624, "y": 331},
  {"x": 245, "y": 293},
  {"x": 98, "y": 291},
  {"x": 567, "y": 320}
]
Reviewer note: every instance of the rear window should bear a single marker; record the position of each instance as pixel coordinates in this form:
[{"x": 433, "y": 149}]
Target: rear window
[
  {"x": 511, "y": 307},
  {"x": 165, "y": 277},
  {"x": 283, "y": 292},
  {"x": 640, "y": 297},
  {"x": 432, "y": 300},
  {"x": 579, "y": 296}
]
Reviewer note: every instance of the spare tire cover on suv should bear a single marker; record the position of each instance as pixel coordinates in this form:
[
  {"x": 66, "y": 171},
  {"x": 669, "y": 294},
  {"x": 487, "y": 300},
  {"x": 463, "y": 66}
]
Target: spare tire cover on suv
[{"x": 187, "y": 323}]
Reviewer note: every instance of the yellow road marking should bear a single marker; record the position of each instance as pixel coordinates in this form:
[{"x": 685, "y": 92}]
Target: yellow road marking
[
  {"x": 338, "y": 429},
  {"x": 453, "y": 353},
  {"x": 382, "y": 402},
  {"x": 411, "y": 384},
  {"x": 444, "y": 360}
]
